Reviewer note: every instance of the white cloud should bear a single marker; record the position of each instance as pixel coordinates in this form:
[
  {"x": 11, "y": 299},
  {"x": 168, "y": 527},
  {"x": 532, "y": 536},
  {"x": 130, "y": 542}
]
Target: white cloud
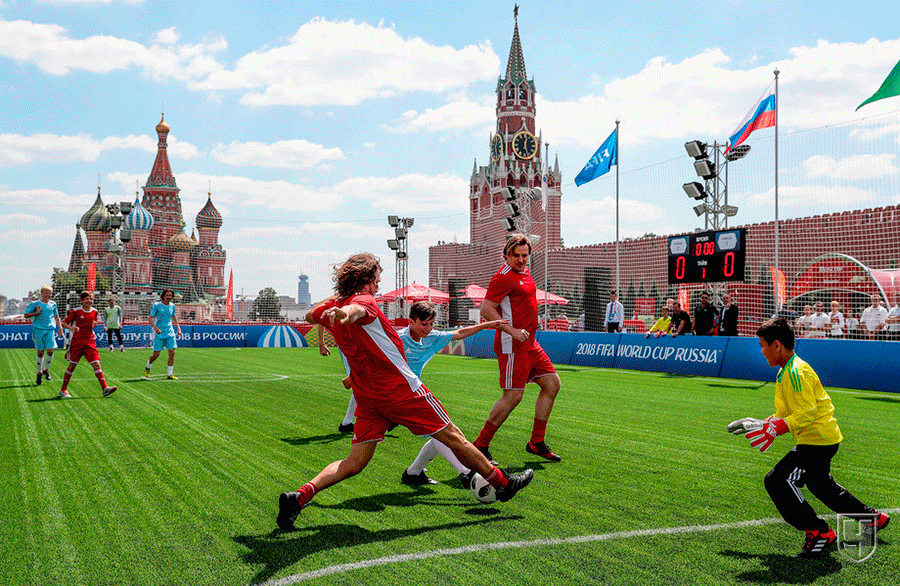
[
  {"x": 287, "y": 154},
  {"x": 408, "y": 194},
  {"x": 347, "y": 63},
  {"x": 855, "y": 167},
  {"x": 19, "y": 219},
  {"x": 16, "y": 149},
  {"x": 804, "y": 195},
  {"x": 459, "y": 113},
  {"x": 168, "y": 36}
]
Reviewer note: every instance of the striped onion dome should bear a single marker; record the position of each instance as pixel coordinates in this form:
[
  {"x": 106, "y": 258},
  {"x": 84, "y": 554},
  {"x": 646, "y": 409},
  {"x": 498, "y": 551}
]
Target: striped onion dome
[
  {"x": 209, "y": 216},
  {"x": 181, "y": 241},
  {"x": 96, "y": 219},
  {"x": 139, "y": 218}
]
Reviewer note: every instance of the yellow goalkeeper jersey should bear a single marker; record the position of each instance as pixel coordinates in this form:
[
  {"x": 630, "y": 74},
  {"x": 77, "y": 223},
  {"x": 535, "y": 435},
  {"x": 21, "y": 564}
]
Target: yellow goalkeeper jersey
[{"x": 804, "y": 405}]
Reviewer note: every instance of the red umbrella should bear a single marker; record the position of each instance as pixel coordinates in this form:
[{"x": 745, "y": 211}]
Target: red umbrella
[
  {"x": 550, "y": 299},
  {"x": 476, "y": 293},
  {"x": 415, "y": 292}
]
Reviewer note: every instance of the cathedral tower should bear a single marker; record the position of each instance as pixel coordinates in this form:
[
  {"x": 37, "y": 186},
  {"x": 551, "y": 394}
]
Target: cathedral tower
[{"x": 162, "y": 201}]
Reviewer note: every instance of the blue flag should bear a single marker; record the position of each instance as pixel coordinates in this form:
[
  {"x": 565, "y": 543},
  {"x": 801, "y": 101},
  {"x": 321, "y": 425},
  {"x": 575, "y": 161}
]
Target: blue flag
[{"x": 600, "y": 163}]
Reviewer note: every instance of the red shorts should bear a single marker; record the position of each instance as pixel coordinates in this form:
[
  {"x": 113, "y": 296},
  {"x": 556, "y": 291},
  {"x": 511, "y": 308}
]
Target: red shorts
[
  {"x": 520, "y": 368},
  {"x": 418, "y": 411},
  {"x": 88, "y": 351}
]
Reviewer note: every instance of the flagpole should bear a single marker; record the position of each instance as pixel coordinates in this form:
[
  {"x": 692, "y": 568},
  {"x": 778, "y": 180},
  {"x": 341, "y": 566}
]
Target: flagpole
[
  {"x": 546, "y": 209},
  {"x": 617, "y": 207},
  {"x": 776, "y": 169}
]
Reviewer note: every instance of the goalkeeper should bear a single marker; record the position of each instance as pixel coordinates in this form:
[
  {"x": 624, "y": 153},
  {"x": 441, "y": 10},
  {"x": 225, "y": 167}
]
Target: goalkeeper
[{"x": 804, "y": 408}]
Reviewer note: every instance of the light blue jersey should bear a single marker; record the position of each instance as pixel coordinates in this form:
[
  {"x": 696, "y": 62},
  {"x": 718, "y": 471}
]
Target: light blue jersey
[
  {"x": 164, "y": 314},
  {"x": 419, "y": 353},
  {"x": 44, "y": 320}
]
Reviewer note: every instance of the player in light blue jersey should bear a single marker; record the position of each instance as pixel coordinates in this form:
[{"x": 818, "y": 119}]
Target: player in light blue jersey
[
  {"x": 43, "y": 313},
  {"x": 420, "y": 343},
  {"x": 164, "y": 323}
]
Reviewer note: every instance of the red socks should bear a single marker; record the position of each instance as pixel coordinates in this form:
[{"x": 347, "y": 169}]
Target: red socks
[
  {"x": 487, "y": 434},
  {"x": 99, "y": 374},
  {"x": 497, "y": 478},
  {"x": 307, "y": 491},
  {"x": 538, "y": 431}
]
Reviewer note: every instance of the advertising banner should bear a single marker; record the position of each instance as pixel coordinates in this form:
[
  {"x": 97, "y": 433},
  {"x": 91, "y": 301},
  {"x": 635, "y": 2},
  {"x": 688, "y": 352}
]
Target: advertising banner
[
  {"x": 698, "y": 355},
  {"x": 594, "y": 349}
]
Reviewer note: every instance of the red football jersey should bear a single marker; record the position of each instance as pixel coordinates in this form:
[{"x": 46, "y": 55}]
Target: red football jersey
[
  {"x": 373, "y": 350},
  {"x": 516, "y": 295},
  {"x": 85, "y": 321}
]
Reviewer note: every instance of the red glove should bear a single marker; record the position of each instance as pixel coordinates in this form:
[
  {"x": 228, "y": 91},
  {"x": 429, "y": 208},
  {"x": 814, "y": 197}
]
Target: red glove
[{"x": 764, "y": 437}]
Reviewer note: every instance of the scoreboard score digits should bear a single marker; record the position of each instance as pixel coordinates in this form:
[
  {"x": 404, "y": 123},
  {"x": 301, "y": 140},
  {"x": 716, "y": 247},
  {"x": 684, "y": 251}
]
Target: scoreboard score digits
[{"x": 708, "y": 257}]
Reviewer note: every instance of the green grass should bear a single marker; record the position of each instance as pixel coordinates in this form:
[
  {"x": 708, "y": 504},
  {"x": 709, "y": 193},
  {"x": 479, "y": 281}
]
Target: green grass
[{"x": 176, "y": 482}]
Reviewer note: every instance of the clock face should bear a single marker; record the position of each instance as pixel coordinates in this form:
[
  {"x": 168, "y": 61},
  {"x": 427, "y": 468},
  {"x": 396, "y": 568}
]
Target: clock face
[
  {"x": 524, "y": 145},
  {"x": 496, "y": 148}
]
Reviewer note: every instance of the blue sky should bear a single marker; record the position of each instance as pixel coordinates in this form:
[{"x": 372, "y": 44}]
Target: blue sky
[{"x": 313, "y": 121}]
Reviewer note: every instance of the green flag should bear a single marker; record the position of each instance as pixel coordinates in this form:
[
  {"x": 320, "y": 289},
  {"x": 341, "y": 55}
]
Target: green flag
[{"x": 890, "y": 87}]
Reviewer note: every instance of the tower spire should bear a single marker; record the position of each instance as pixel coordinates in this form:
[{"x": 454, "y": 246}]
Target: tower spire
[{"x": 515, "y": 67}]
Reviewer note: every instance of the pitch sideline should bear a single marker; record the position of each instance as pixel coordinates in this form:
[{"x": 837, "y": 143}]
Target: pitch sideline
[{"x": 394, "y": 559}]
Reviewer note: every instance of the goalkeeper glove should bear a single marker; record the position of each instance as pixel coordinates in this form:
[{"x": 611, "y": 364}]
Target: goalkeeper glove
[
  {"x": 742, "y": 426},
  {"x": 763, "y": 438}
]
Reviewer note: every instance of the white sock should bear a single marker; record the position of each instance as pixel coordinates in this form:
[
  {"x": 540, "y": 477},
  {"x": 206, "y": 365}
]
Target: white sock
[
  {"x": 48, "y": 358},
  {"x": 351, "y": 411},
  {"x": 40, "y": 364},
  {"x": 426, "y": 455},
  {"x": 171, "y": 370},
  {"x": 448, "y": 454},
  {"x": 149, "y": 364}
]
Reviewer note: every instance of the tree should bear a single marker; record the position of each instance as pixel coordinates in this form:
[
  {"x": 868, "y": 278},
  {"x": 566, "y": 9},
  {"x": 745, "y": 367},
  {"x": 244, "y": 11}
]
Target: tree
[{"x": 266, "y": 307}]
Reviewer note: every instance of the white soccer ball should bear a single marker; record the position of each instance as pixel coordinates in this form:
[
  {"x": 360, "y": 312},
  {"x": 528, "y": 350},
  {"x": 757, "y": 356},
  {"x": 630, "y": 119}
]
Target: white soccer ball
[{"x": 483, "y": 490}]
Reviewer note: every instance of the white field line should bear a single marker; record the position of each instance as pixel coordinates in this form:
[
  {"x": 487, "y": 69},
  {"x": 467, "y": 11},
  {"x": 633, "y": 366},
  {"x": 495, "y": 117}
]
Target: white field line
[{"x": 467, "y": 549}]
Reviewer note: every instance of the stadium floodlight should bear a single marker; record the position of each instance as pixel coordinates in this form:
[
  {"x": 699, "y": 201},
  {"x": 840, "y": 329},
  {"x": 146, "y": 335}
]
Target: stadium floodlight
[
  {"x": 730, "y": 211},
  {"x": 705, "y": 168},
  {"x": 695, "y": 190},
  {"x": 700, "y": 209},
  {"x": 115, "y": 221},
  {"x": 393, "y": 221},
  {"x": 393, "y": 244},
  {"x": 510, "y": 194},
  {"x": 696, "y": 149},
  {"x": 536, "y": 193},
  {"x": 738, "y": 152},
  {"x": 400, "y": 233},
  {"x": 512, "y": 209},
  {"x": 125, "y": 207},
  {"x": 125, "y": 236},
  {"x": 509, "y": 224}
]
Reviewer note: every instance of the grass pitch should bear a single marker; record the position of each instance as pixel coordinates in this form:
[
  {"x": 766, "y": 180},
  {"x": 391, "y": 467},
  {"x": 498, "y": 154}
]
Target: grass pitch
[{"x": 176, "y": 482}]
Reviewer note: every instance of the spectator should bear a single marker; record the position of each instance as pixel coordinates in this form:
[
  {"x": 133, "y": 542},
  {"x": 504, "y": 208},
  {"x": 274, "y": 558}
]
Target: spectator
[
  {"x": 580, "y": 326},
  {"x": 804, "y": 322},
  {"x": 681, "y": 321},
  {"x": 893, "y": 323},
  {"x": 837, "y": 321},
  {"x": 705, "y": 317},
  {"x": 851, "y": 324},
  {"x": 662, "y": 326},
  {"x": 819, "y": 323},
  {"x": 728, "y": 317},
  {"x": 562, "y": 323},
  {"x": 873, "y": 320},
  {"x": 669, "y": 303},
  {"x": 615, "y": 314}
]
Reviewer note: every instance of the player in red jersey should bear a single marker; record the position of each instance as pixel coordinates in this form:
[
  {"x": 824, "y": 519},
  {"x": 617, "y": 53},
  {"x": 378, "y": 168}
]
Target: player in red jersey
[
  {"x": 81, "y": 323},
  {"x": 512, "y": 296},
  {"x": 386, "y": 389}
]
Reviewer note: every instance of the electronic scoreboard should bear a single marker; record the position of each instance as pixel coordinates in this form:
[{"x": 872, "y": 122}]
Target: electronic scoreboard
[{"x": 708, "y": 257}]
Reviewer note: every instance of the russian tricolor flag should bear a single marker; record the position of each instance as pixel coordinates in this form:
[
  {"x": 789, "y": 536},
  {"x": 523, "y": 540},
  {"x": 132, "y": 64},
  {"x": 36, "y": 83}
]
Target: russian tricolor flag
[{"x": 762, "y": 115}]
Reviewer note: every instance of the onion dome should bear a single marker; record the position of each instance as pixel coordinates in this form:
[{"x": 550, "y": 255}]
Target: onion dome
[
  {"x": 139, "y": 218},
  {"x": 162, "y": 126},
  {"x": 96, "y": 219},
  {"x": 209, "y": 216},
  {"x": 181, "y": 242}
]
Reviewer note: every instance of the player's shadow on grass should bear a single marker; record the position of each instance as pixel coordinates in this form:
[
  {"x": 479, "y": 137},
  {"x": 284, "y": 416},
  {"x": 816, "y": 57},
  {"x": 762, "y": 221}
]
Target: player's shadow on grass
[
  {"x": 750, "y": 386},
  {"x": 786, "y": 569},
  {"x": 19, "y": 386},
  {"x": 881, "y": 399},
  {"x": 411, "y": 497},
  {"x": 278, "y": 550},
  {"x": 316, "y": 439}
]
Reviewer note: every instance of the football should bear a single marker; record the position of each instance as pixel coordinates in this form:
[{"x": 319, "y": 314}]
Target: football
[{"x": 482, "y": 489}]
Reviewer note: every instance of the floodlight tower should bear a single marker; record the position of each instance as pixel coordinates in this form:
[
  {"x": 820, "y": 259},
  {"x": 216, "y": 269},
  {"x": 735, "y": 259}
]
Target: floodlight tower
[
  {"x": 399, "y": 244},
  {"x": 118, "y": 238},
  {"x": 714, "y": 191}
]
